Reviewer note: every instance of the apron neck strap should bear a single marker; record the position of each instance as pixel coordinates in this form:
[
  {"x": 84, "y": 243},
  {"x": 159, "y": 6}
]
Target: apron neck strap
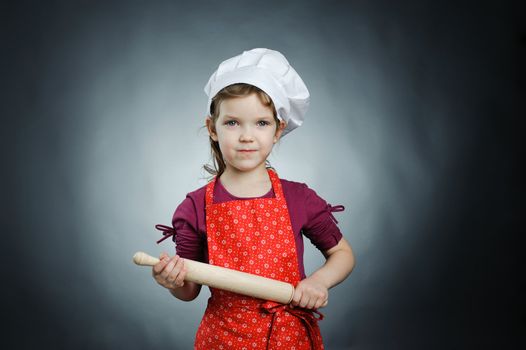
[{"x": 274, "y": 179}]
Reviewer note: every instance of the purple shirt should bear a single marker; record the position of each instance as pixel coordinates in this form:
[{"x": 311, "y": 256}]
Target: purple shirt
[{"x": 310, "y": 215}]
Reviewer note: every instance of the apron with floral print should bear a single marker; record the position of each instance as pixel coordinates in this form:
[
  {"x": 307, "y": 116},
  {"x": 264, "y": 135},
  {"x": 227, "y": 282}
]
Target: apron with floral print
[{"x": 254, "y": 236}]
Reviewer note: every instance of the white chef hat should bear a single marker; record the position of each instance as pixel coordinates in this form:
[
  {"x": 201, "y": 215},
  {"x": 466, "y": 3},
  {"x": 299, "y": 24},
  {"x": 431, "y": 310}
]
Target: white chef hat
[{"x": 270, "y": 71}]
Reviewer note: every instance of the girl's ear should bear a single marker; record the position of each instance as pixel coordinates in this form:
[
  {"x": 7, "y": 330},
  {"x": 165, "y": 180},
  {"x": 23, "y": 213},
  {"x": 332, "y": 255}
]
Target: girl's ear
[
  {"x": 279, "y": 132},
  {"x": 211, "y": 128}
]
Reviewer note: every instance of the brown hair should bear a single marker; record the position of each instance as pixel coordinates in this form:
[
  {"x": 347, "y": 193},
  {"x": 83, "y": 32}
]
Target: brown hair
[{"x": 232, "y": 91}]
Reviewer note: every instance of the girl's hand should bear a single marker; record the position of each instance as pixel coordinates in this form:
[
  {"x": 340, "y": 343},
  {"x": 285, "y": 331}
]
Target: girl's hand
[
  {"x": 169, "y": 272},
  {"x": 310, "y": 294}
]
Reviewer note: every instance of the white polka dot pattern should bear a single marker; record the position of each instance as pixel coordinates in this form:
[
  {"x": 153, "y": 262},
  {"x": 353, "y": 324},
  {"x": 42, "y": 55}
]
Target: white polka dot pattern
[{"x": 253, "y": 236}]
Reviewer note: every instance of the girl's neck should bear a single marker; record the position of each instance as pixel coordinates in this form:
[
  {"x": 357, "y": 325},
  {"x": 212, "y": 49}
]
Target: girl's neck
[{"x": 246, "y": 184}]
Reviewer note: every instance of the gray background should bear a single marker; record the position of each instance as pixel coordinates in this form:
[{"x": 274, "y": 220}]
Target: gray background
[{"x": 414, "y": 126}]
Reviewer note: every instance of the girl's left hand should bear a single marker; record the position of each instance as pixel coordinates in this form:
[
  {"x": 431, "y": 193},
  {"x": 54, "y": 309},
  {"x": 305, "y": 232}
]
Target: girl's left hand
[{"x": 310, "y": 294}]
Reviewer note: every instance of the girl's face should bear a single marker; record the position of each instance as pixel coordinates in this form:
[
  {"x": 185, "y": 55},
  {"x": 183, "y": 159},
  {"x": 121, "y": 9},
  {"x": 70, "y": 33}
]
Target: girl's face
[{"x": 246, "y": 132}]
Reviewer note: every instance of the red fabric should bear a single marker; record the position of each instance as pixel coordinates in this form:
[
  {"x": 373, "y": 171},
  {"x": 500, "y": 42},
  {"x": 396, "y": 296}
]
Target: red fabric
[
  {"x": 279, "y": 314},
  {"x": 254, "y": 236},
  {"x": 310, "y": 216}
]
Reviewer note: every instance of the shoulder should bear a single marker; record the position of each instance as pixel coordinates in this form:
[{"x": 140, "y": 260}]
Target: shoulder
[
  {"x": 292, "y": 185},
  {"x": 297, "y": 189},
  {"x": 197, "y": 195},
  {"x": 300, "y": 196},
  {"x": 192, "y": 204}
]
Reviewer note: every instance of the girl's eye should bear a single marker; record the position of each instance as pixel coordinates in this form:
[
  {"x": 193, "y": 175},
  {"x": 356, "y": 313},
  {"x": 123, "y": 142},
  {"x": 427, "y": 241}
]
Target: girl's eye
[
  {"x": 263, "y": 123},
  {"x": 231, "y": 123}
]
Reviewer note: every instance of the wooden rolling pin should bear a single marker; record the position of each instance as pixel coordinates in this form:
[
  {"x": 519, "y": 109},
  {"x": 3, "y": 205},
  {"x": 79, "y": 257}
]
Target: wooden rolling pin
[{"x": 228, "y": 279}]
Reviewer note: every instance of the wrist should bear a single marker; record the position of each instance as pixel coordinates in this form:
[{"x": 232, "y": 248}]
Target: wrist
[{"x": 318, "y": 278}]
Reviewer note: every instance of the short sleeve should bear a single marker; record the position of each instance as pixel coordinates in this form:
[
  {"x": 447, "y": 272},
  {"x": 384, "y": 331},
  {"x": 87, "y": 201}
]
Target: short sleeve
[
  {"x": 188, "y": 240},
  {"x": 321, "y": 227}
]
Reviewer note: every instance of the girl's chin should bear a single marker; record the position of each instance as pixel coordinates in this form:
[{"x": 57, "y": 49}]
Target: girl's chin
[{"x": 246, "y": 167}]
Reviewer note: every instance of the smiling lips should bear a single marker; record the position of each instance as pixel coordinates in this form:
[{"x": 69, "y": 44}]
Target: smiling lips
[{"x": 247, "y": 150}]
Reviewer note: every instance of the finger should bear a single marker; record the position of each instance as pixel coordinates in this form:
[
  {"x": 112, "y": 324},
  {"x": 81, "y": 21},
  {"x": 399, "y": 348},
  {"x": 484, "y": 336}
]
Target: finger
[
  {"x": 304, "y": 300},
  {"x": 159, "y": 267},
  {"x": 325, "y": 303},
  {"x": 320, "y": 303},
  {"x": 178, "y": 266},
  {"x": 164, "y": 257},
  {"x": 296, "y": 297},
  {"x": 311, "y": 303},
  {"x": 179, "y": 281},
  {"x": 168, "y": 268},
  {"x": 179, "y": 262}
]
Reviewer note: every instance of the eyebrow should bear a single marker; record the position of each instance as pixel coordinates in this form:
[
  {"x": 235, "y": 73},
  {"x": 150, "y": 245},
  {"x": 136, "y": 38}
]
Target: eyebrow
[{"x": 261, "y": 117}]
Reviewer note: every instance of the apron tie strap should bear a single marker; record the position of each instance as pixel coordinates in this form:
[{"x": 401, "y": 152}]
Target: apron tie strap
[
  {"x": 307, "y": 317},
  {"x": 333, "y": 209},
  {"x": 167, "y": 232}
]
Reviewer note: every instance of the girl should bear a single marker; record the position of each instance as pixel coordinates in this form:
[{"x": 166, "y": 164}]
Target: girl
[{"x": 249, "y": 219}]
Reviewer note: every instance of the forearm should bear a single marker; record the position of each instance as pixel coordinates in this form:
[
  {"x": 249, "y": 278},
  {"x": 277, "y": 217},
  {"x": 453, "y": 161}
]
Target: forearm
[
  {"x": 189, "y": 291},
  {"x": 337, "y": 267}
]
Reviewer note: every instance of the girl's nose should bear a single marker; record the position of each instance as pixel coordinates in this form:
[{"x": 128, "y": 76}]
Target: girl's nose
[{"x": 246, "y": 135}]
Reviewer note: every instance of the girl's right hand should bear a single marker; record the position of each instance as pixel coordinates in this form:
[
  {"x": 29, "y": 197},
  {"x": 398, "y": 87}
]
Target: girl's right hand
[{"x": 169, "y": 272}]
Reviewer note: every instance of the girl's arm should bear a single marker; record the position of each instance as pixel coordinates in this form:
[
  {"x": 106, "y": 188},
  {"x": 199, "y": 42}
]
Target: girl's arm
[
  {"x": 170, "y": 273},
  {"x": 313, "y": 291}
]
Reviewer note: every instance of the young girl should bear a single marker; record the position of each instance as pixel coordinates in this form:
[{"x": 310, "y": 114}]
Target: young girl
[{"x": 249, "y": 219}]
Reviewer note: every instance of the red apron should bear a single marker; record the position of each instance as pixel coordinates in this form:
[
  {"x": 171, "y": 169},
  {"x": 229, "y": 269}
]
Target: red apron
[{"x": 254, "y": 236}]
